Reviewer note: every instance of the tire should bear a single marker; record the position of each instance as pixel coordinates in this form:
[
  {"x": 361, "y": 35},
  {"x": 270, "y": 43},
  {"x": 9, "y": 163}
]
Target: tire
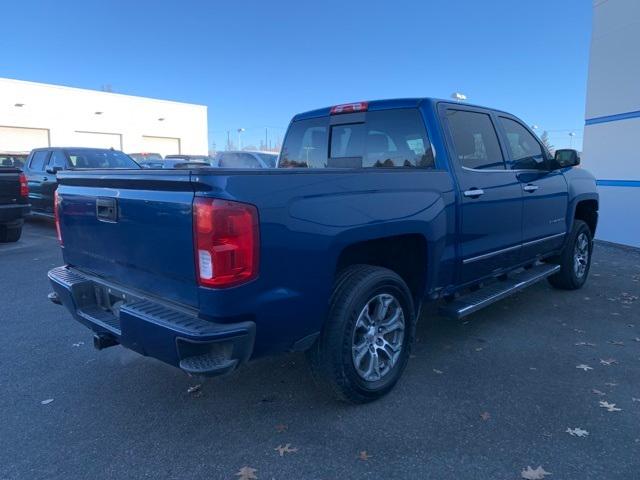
[
  {"x": 333, "y": 356},
  {"x": 10, "y": 234},
  {"x": 575, "y": 259}
]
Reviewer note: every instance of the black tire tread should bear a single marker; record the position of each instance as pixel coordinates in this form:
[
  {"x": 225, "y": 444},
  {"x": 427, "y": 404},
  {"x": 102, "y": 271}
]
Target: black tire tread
[{"x": 565, "y": 278}]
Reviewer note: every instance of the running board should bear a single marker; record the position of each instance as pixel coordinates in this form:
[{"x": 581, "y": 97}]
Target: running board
[{"x": 474, "y": 301}]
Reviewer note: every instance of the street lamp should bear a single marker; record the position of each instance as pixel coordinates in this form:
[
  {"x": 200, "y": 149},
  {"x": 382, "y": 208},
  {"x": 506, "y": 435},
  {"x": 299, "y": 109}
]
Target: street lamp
[
  {"x": 240, "y": 130},
  {"x": 460, "y": 97},
  {"x": 571, "y": 135},
  {"x": 534, "y": 127}
]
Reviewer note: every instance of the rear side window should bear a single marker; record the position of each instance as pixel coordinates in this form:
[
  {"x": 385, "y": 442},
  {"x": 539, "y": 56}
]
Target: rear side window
[
  {"x": 39, "y": 160},
  {"x": 525, "y": 151},
  {"x": 475, "y": 140},
  {"x": 386, "y": 139}
]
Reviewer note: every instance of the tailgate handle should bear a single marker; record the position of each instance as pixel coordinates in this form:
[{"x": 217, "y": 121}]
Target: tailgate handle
[{"x": 107, "y": 209}]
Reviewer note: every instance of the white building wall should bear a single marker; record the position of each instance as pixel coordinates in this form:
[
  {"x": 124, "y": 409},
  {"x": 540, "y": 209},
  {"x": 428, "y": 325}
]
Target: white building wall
[
  {"x": 125, "y": 122},
  {"x": 611, "y": 149}
]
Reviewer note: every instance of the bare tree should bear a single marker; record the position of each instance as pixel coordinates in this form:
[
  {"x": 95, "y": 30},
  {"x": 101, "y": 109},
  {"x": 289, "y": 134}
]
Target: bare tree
[{"x": 545, "y": 141}]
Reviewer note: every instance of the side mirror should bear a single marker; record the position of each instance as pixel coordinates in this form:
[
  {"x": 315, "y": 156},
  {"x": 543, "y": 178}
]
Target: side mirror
[
  {"x": 53, "y": 170},
  {"x": 566, "y": 157}
]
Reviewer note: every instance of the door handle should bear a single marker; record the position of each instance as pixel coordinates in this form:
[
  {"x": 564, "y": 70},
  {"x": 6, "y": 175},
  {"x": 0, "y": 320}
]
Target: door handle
[
  {"x": 473, "y": 193},
  {"x": 530, "y": 188}
]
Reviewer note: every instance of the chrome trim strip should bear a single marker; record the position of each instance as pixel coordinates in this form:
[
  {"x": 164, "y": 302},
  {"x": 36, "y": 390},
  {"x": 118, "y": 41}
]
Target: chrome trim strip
[
  {"x": 490, "y": 254},
  {"x": 544, "y": 239},
  {"x": 508, "y": 249}
]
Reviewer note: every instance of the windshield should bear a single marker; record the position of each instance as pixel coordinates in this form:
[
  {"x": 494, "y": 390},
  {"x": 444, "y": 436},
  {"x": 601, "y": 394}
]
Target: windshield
[
  {"x": 100, "y": 159},
  {"x": 145, "y": 156}
]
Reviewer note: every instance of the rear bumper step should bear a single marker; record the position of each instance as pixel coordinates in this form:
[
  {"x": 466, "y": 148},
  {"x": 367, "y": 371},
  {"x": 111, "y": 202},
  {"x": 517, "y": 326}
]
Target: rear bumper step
[
  {"x": 151, "y": 327},
  {"x": 474, "y": 301}
]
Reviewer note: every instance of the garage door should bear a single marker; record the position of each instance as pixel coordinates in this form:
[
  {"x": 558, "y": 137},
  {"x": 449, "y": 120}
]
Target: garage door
[
  {"x": 18, "y": 139},
  {"x": 98, "y": 140},
  {"x": 162, "y": 145}
]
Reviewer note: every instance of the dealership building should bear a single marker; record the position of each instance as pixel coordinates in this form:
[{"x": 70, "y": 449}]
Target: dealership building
[
  {"x": 41, "y": 115},
  {"x": 611, "y": 148}
]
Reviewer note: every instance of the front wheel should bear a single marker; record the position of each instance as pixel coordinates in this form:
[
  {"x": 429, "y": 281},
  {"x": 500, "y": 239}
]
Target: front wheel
[
  {"x": 364, "y": 346},
  {"x": 575, "y": 259}
]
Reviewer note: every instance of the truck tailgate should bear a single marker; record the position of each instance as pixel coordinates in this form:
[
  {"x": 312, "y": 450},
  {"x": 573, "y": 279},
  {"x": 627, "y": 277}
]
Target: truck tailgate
[
  {"x": 9, "y": 186},
  {"x": 133, "y": 229}
]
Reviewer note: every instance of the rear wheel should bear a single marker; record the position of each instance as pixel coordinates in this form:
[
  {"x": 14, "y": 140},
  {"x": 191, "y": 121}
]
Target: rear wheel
[
  {"x": 575, "y": 259},
  {"x": 364, "y": 346},
  {"x": 10, "y": 234}
]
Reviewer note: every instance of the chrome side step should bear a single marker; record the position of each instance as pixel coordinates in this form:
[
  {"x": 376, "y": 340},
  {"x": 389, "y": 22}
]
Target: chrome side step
[{"x": 474, "y": 301}]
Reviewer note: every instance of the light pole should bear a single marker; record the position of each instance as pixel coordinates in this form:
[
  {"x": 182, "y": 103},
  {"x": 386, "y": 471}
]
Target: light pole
[
  {"x": 240, "y": 130},
  {"x": 459, "y": 97},
  {"x": 534, "y": 127},
  {"x": 571, "y": 135}
]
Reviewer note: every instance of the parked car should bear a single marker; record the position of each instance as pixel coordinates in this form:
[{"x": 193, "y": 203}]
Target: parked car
[
  {"x": 147, "y": 160},
  {"x": 190, "y": 158},
  {"x": 245, "y": 159},
  {"x": 13, "y": 159},
  {"x": 43, "y": 165},
  {"x": 376, "y": 209},
  {"x": 14, "y": 203}
]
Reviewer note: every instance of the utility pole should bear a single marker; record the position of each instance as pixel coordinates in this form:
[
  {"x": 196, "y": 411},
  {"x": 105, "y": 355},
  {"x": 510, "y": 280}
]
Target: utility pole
[
  {"x": 266, "y": 137},
  {"x": 228, "y": 140}
]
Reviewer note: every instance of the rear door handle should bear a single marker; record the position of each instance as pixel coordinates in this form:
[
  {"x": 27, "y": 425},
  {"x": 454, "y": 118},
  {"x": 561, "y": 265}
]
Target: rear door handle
[
  {"x": 473, "y": 193},
  {"x": 530, "y": 188}
]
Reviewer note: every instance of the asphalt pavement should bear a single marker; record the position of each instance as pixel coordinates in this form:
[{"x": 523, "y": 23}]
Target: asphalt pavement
[{"x": 483, "y": 398}]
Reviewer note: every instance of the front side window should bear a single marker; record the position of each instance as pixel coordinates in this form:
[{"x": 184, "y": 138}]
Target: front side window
[
  {"x": 58, "y": 159},
  {"x": 526, "y": 153},
  {"x": 39, "y": 160},
  {"x": 475, "y": 140}
]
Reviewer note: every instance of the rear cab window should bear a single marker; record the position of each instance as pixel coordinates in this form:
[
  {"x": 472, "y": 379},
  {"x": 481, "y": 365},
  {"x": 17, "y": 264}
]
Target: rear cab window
[{"x": 394, "y": 138}]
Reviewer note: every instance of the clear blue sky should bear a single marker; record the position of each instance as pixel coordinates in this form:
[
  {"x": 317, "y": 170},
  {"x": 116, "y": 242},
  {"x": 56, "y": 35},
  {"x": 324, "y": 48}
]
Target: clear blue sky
[{"x": 256, "y": 63}]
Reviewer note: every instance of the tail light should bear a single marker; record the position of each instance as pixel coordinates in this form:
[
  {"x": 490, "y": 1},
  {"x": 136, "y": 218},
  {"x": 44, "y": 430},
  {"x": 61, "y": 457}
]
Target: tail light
[
  {"x": 350, "y": 108},
  {"x": 57, "y": 203},
  {"x": 226, "y": 241},
  {"x": 24, "y": 186}
]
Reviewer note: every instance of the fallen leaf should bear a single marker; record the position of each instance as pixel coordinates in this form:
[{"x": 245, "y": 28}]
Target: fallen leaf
[
  {"x": 479, "y": 349},
  {"x": 439, "y": 372},
  {"x": 577, "y": 432},
  {"x": 584, "y": 367},
  {"x": 533, "y": 368},
  {"x": 611, "y": 384},
  {"x": 246, "y": 473},
  {"x": 637, "y": 339},
  {"x": 608, "y": 361},
  {"x": 47, "y": 401},
  {"x": 611, "y": 407},
  {"x": 616, "y": 342},
  {"x": 78, "y": 344},
  {"x": 585, "y": 344},
  {"x": 194, "y": 388},
  {"x": 285, "y": 449},
  {"x": 597, "y": 392},
  {"x": 485, "y": 416},
  {"x": 537, "y": 474},
  {"x": 364, "y": 456},
  {"x": 577, "y": 330},
  {"x": 281, "y": 428},
  {"x": 634, "y": 399}
]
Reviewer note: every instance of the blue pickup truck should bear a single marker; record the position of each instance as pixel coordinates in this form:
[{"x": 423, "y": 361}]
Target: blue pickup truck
[{"x": 373, "y": 209}]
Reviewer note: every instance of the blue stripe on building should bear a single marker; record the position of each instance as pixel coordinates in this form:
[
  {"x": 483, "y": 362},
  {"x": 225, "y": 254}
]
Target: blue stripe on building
[
  {"x": 618, "y": 183},
  {"x": 612, "y": 118}
]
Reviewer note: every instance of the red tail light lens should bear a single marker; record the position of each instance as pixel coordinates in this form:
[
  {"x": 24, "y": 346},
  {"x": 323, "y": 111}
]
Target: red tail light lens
[
  {"x": 226, "y": 242},
  {"x": 57, "y": 203},
  {"x": 350, "y": 108},
  {"x": 24, "y": 186}
]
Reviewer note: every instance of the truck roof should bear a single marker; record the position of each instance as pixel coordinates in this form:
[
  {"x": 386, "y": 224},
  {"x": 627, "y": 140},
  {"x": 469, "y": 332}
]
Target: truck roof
[{"x": 386, "y": 105}]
